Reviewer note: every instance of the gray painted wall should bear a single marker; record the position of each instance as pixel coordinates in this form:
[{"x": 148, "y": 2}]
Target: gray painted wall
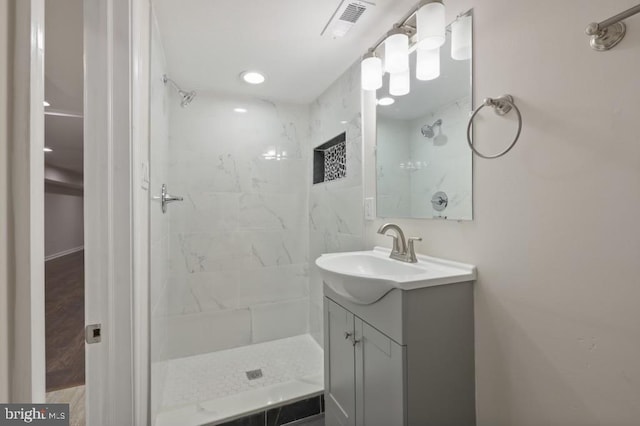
[
  {"x": 555, "y": 233},
  {"x": 63, "y": 223}
]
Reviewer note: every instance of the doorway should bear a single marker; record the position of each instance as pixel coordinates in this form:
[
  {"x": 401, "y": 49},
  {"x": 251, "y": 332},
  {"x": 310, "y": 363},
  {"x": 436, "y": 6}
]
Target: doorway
[{"x": 63, "y": 205}]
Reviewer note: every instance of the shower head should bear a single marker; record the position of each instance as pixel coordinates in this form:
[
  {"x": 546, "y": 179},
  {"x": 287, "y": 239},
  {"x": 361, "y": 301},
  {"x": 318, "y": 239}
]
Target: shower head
[
  {"x": 427, "y": 131},
  {"x": 187, "y": 97}
]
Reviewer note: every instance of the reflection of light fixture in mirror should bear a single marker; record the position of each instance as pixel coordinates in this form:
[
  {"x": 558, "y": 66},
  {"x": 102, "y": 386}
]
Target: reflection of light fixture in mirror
[
  {"x": 386, "y": 101},
  {"x": 461, "y": 38},
  {"x": 396, "y": 51},
  {"x": 371, "y": 70},
  {"x": 427, "y": 64},
  {"x": 431, "y": 24},
  {"x": 399, "y": 83}
]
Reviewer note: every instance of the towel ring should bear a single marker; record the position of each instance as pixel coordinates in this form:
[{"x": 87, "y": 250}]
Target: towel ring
[{"x": 501, "y": 106}]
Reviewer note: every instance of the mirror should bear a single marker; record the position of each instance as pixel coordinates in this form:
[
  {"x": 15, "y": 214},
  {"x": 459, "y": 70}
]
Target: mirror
[{"x": 423, "y": 163}]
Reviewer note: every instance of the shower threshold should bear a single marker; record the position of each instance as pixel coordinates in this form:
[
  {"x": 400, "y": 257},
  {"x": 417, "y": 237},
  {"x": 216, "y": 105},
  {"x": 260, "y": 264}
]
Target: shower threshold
[{"x": 217, "y": 387}]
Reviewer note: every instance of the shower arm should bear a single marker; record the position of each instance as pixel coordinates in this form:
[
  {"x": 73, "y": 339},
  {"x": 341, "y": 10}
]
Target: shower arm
[{"x": 166, "y": 80}]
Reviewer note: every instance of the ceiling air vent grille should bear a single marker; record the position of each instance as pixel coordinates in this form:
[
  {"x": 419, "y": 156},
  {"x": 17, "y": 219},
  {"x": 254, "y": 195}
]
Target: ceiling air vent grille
[
  {"x": 353, "y": 12},
  {"x": 345, "y": 17}
]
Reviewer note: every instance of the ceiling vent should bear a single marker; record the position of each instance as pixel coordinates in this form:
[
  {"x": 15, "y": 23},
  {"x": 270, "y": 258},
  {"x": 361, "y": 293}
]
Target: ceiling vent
[{"x": 345, "y": 17}]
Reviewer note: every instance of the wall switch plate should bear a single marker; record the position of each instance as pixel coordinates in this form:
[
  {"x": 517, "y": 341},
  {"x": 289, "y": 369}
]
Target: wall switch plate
[{"x": 370, "y": 208}]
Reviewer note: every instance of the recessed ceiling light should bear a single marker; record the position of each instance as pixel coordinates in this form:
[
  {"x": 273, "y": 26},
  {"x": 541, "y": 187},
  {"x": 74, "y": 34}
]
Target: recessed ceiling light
[
  {"x": 252, "y": 77},
  {"x": 45, "y": 103},
  {"x": 386, "y": 101},
  {"x": 241, "y": 110},
  {"x": 46, "y": 149},
  {"x": 344, "y": 122}
]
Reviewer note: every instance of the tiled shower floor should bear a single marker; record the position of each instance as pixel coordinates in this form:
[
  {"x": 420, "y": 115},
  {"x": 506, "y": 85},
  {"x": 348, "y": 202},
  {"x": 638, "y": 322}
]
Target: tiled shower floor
[{"x": 214, "y": 386}]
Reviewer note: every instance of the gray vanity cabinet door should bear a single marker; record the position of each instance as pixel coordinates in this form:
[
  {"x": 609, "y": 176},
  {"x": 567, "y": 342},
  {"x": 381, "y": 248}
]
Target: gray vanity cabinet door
[
  {"x": 380, "y": 378},
  {"x": 339, "y": 366}
]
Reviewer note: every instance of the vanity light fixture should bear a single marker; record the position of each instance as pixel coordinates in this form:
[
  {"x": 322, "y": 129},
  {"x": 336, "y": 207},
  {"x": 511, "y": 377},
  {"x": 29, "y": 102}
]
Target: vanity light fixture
[
  {"x": 461, "y": 38},
  {"x": 371, "y": 71},
  {"x": 386, "y": 101},
  {"x": 252, "y": 77},
  {"x": 422, "y": 29},
  {"x": 430, "y": 24},
  {"x": 396, "y": 51}
]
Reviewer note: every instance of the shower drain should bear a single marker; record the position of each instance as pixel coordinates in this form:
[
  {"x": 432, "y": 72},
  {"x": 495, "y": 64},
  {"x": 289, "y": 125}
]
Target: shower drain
[{"x": 254, "y": 374}]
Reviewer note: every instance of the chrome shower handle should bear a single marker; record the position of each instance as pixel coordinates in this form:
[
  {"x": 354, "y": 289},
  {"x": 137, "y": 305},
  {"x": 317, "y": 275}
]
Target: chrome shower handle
[{"x": 165, "y": 198}]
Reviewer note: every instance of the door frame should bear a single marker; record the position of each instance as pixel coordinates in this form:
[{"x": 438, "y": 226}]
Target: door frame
[
  {"x": 26, "y": 205},
  {"x": 116, "y": 276},
  {"x": 116, "y": 210}
]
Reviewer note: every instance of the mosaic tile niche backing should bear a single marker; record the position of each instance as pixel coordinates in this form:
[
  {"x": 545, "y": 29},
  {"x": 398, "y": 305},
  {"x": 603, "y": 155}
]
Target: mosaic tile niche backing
[
  {"x": 330, "y": 160},
  {"x": 335, "y": 162}
]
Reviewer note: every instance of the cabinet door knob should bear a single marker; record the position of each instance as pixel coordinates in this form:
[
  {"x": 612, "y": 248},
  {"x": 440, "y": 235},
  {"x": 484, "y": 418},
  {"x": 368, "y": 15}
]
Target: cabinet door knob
[{"x": 350, "y": 336}]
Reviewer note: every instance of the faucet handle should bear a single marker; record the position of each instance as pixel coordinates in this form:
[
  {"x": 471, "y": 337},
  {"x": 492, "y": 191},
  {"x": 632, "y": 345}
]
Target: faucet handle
[{"x": 411, "y": 251}]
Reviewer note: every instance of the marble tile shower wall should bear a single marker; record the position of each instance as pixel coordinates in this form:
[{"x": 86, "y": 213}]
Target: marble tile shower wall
[
  {"x": 335, "y": 207},
  {"x": 159, "y": 223},
  {"x": 239, "y": 241}
]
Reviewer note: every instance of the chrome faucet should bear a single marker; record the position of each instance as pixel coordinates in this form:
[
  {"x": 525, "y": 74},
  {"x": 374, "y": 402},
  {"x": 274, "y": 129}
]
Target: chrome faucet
[{"x": 401, "y": 250}]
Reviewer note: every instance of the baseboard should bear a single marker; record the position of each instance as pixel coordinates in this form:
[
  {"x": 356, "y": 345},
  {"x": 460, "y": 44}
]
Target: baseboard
[{"x": 63, "y": 253}]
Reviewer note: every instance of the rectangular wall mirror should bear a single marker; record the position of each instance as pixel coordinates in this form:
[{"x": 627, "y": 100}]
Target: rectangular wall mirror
[{"x": 423, "y": 163}]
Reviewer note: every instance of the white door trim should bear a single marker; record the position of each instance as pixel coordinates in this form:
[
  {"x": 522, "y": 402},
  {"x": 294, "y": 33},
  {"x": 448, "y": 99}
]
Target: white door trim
[
  {"x": 112, "y": 379},
  {"x": 27, "y": 357},
  {"x": 140, "y": 73}
]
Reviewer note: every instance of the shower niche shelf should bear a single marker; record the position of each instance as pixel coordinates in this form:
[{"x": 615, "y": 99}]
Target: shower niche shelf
[{"x": 330, "y": 160}]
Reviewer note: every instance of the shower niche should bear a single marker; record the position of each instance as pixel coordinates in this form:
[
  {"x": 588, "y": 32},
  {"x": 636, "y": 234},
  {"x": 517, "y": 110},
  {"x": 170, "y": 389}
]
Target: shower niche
[{"x": 330, "y": 160}]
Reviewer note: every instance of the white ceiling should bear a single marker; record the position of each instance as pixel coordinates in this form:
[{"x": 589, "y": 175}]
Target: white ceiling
[
  {"x": 208, "y": 43},
  {"x": 64, "y": 76}
]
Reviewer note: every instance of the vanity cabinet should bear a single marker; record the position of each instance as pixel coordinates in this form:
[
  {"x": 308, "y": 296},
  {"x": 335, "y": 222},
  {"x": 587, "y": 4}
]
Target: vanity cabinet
[
  {"x": 407, "y": 359},
  {"x": 365, "y": 367}
]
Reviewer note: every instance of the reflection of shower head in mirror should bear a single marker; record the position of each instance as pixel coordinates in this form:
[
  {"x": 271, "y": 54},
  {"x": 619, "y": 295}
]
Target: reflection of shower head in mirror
[{"x": 427, "y": 131}]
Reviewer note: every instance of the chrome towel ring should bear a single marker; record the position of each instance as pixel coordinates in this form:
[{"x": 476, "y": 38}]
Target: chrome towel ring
[{"x": 501, "y": 106}]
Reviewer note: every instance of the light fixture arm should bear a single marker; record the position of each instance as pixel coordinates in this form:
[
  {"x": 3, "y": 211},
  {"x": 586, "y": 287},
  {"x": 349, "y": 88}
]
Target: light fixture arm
[{"x": 403, "y": 24}]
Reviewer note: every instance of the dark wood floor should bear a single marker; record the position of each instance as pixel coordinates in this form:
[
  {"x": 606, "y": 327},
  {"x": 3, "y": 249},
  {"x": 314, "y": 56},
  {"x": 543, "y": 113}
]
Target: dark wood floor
[{"x": 64, "y": 307}]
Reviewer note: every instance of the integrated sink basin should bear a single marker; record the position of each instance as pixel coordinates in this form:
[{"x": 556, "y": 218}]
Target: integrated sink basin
[{"x": 364, "y": 277}]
